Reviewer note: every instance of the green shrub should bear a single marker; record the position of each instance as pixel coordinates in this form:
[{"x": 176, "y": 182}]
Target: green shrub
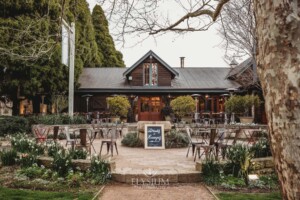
[
  {"x": 62, "y": 163},
  {"x": 56, "y": 119},
  {"x": 132, "y": 140},
  {"x": 261, "y": 148},
  {"x": 62, "y": 136},
  {"x": 22, "y": 143},
  {"x": 78, "y": 154},
  {"x": 270, "y": 181},
  {"x": 8, "y": 158},
  {"x": 74, "y": 179},
  {"x": 54, "y": 148},
  {"x": 240, "y": 158},
  {"x": 33, "y": 172},
  {"x": 211, "y": 171},
  {"x": 183, "y": 105},
  {"x": 176, "y": 139},
  {"x": 231, "y": 182},
  {"x": 12, "y": 125},
  {"x": 118, "y": 106},
  {"x": 241, "y": 104},
  {"x": 26, "y": 160},
  {"x": 99, "y": 171}
]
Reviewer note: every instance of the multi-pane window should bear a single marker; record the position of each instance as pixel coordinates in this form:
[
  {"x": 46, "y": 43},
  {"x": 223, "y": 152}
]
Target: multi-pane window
[{"x": 150, "y": 74}]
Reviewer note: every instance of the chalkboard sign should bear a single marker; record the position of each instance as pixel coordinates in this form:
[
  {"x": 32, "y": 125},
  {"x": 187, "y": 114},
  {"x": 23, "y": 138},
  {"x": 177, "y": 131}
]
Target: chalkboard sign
[{"x": 154, "y": 136}]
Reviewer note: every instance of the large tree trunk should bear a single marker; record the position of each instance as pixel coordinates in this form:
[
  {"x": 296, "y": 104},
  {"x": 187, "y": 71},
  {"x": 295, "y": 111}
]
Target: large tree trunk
[{"x": 278, "y": 59}]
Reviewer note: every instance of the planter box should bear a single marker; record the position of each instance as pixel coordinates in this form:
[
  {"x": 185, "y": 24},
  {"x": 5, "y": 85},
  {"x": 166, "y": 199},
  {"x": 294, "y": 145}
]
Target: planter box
[{"x": 246, "y": 120}]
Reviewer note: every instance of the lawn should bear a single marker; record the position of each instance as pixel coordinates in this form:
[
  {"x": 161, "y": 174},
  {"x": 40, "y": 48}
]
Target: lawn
[
  {"x": 249, "y": 196},
  {"x": 7, "y": 193}
]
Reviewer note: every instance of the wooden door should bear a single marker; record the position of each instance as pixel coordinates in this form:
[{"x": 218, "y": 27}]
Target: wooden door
[{"x": 149, "y": 109}]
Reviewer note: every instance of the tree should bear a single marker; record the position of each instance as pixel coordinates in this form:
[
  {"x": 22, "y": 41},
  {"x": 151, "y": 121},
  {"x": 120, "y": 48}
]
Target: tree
[
  {"x": 112, "y": 57},
  {"x": 278, "y": 30},
  {"x": 30, "y": 63},
  {"x": 87, "y": 54},
  {"x": 278, "y": 47},
  {"x": 237, "y": 28}
]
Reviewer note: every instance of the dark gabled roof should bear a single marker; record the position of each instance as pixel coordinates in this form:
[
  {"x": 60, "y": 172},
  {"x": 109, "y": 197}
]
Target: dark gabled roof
[
  {"x": 239, "y": 69},
  {"x": 150, "y": 53},
  {"x": 189, "y": 79}
]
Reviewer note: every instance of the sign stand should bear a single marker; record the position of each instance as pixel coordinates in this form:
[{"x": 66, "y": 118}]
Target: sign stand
[{"x": 154, "y": 136}]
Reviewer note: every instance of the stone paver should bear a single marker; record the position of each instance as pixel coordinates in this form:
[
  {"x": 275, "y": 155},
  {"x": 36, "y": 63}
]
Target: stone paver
[{"x": 170, "y": 192}]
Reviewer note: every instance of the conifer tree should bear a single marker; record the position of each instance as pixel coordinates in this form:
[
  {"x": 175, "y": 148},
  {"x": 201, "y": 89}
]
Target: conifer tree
[
  {"x": 30, "y": 46},
  {"x": 112, "y": 57}
]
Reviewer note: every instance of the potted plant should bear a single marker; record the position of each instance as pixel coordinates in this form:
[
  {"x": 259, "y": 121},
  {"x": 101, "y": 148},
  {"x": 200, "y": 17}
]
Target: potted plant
[
  {"x": 118, "y": 107},
  {"x": 166, "y": 112},
  {"x": 237, "y": 104},
  {"x": 183, "y": 107}
]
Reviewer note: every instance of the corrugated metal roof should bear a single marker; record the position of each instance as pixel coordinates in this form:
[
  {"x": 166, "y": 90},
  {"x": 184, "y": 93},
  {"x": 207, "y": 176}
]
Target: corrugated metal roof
[
  {"x": 205, "y": 78},
  {"x": 108, "y": 77},
  {"x": 189, "y": 78}
]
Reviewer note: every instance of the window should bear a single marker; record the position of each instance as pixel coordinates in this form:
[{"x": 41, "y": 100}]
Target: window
[{"x": 150, "y": 74}]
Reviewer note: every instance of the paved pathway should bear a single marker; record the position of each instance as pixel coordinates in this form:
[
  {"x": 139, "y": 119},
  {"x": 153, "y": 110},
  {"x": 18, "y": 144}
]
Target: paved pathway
[
  {"x": 160, "y": 160},
  {"x": 171, "y": 192}
]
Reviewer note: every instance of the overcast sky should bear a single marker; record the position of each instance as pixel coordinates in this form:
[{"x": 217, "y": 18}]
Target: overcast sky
[{"x": 200, "y": 49}]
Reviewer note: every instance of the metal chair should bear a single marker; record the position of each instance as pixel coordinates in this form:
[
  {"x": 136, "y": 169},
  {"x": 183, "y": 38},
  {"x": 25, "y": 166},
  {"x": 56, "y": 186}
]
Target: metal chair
[
  {"x": 111, "y": 143},
  {"x": 191, "y": 142},
  {"x": 40, "y": 133},
  {"x": 68, "y": 137},
  {"x": 222, "y": 143},
  {"x": 207, "y": 148}
]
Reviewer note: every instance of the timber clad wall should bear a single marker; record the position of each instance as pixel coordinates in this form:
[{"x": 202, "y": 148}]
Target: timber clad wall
[
  {"x": 164, "y": 76},
  {"x": 137, "y": 76}
]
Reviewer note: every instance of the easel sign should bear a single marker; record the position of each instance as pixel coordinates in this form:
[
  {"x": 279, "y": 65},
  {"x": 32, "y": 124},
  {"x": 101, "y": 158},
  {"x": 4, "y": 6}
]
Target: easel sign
[{"x": 154, "y": 136}]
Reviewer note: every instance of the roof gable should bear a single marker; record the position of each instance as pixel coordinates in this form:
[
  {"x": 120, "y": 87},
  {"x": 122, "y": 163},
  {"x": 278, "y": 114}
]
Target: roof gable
[
  {"x": 239, "y": 69},
  {"x": 142, "y": 59}
]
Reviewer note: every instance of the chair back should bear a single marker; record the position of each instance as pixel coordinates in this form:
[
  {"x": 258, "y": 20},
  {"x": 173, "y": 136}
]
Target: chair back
[
  {"x": 189, "y": 133},
  {"x": 67, "y": 133},
  {"x": 221, "y": 132},
  {"x": 113, "y": 133}
]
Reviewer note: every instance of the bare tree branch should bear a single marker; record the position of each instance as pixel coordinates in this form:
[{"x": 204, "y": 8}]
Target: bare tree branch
[
  {"x": 153, "y": 17},
  {"x": 237, "y": 29}
]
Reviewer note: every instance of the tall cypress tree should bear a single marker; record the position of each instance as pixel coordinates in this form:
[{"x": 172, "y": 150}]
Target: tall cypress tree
[
  {"x": 23, "y": 23},
  {"x": 112, "y": 57}
]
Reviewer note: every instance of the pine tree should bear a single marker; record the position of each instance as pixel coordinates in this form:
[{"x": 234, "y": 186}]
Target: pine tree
[{"x": 112, "y": 57}]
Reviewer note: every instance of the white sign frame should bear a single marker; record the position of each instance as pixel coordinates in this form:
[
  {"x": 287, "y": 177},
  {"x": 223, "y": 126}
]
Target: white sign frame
[{"x": 162, "y": 127}]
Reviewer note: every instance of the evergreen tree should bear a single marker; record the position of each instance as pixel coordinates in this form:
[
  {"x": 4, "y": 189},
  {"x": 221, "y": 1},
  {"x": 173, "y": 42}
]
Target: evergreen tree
[
  {"x": 112, "y": 57},
  {"x": 29, "y": 28}
]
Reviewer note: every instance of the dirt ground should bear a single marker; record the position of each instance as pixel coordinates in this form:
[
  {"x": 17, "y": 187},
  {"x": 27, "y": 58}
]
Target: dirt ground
[{"x": 117, "y": 191}]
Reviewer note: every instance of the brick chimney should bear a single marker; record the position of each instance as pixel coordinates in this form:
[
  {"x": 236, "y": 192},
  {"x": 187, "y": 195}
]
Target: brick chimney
[{"x": 182, "y": 62}]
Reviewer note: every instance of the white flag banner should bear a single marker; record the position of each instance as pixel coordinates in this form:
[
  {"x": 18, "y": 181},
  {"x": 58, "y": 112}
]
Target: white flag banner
[{"x": 65, "y": 46}]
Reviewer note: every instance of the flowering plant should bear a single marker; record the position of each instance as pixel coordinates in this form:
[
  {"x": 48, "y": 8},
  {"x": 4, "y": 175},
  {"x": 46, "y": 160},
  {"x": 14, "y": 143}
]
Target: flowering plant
[
  {"x": 22, "y": 143},
  {"x": 99, "y": 171},
  {"x": 26, "y": 159},
  {"x": 62, "y": 163}
]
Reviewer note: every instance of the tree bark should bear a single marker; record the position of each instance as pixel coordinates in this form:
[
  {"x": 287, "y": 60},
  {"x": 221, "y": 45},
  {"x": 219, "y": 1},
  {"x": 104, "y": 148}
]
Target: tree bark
[{"x": 278, "y": 61}]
